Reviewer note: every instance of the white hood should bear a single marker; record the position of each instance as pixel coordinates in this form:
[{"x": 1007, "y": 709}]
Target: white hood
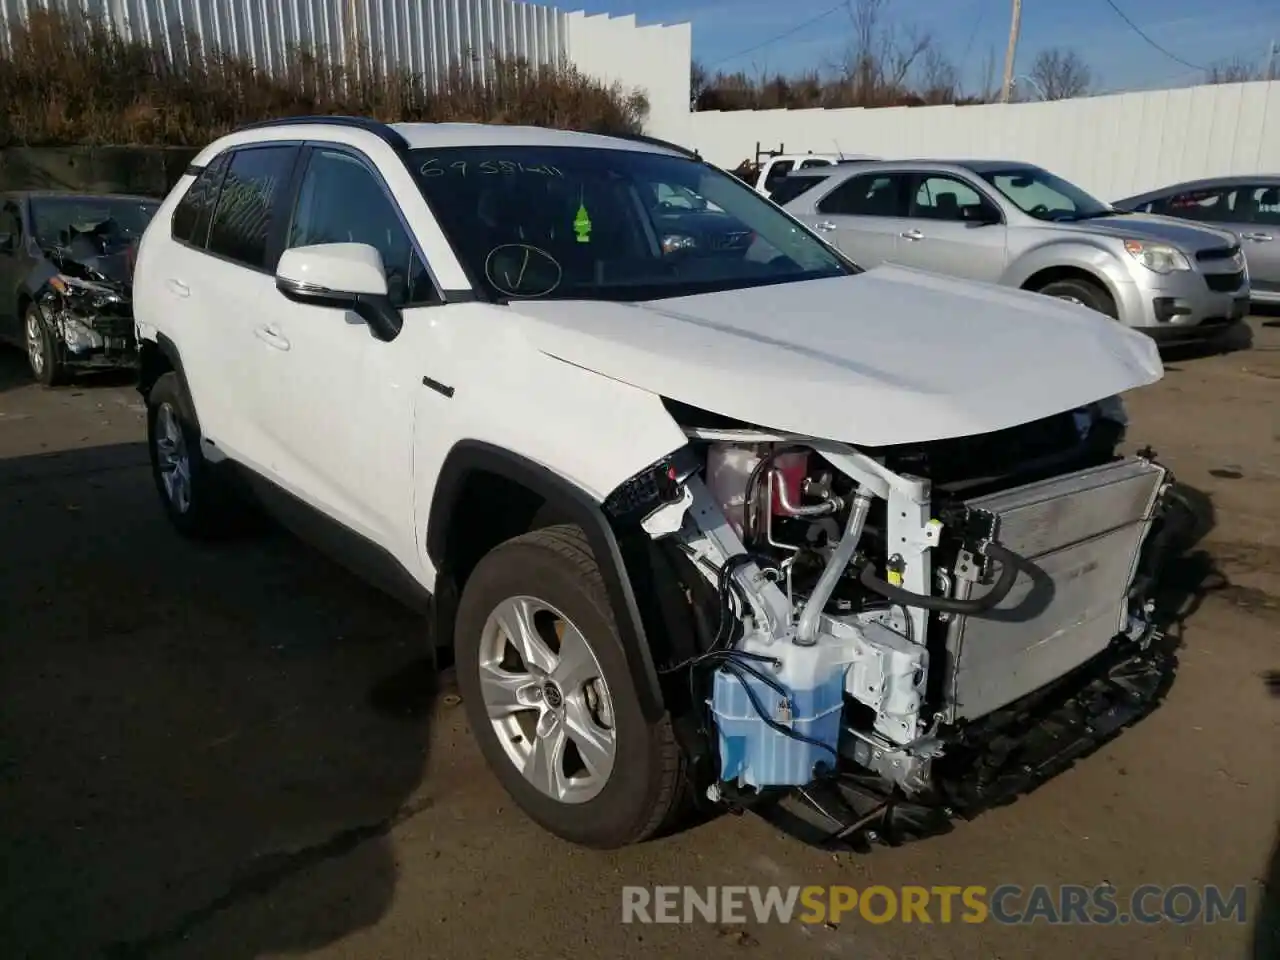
[{"x": 889, "y": 356}]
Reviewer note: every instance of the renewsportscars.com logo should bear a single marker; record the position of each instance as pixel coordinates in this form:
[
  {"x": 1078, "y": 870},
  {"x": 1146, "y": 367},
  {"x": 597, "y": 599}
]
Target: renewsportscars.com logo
[{"x": 1005, "y": 904}]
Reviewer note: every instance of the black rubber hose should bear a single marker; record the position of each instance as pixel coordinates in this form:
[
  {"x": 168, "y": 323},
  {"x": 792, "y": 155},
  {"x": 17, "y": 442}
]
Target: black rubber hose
[{"x": 1008, "y": 560}]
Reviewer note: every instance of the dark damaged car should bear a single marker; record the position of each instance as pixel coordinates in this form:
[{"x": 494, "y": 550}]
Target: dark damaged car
[{"x": 66, "y": 272}]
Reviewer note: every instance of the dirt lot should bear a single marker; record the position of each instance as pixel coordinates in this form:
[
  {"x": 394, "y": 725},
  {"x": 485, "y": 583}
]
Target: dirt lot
[{"x": 237, "y": 751}]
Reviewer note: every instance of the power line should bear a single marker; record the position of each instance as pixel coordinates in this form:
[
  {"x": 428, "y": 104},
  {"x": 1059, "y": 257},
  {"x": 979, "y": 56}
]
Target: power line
[
  {"x": 1138, "y": 30},
  {"x": 782, "y": 36}
]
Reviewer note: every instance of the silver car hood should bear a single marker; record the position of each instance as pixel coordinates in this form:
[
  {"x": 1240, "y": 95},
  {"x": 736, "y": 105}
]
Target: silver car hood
[
  {"x": 1191, "y": 237},
  {"x": 889, "y": 356}
]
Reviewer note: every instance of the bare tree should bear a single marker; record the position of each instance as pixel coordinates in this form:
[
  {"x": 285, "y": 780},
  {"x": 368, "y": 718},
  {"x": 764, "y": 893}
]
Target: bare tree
[
  {"x": 1060, "y": 74},
  {"x": 699, "y": 81},
  {"x": 880, "y": 56},
  {"x": 1235, "y": 70},
  {"x": 987, "y": 91},
  {"x": 939, "y": 78}
]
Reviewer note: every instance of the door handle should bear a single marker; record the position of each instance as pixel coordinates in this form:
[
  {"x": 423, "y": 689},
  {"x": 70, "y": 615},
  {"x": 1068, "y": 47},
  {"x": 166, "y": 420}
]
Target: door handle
[
  {"x": 178, "y": 288},
  {"x": 1257, "y": 237},
  {"x": 911, "y": 235},
  {"x": 271, "y": 337},
  {"x": 824, "y": 226}
]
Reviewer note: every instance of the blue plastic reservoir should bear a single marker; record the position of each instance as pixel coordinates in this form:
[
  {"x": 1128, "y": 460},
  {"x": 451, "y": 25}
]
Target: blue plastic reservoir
[{"x": 756, "y": 755}]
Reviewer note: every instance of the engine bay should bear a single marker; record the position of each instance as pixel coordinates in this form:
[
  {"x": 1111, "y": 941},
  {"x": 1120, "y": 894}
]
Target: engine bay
[{"x": 862, "y": 612}]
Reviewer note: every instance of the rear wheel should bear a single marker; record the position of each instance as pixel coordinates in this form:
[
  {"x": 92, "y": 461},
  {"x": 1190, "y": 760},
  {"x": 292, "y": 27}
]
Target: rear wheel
[
  {"x": 198, "y": 501},
  {"x": 1085, "y": 292},
  {"x": 550, "y": 697}
]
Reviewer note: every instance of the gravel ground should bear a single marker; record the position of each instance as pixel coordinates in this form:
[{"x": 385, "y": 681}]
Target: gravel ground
[{"x": 240, "y": 751}]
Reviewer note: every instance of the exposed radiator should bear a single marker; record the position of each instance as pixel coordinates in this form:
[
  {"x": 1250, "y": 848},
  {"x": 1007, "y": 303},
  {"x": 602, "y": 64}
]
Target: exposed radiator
[{"x": 1082, "y": 534}]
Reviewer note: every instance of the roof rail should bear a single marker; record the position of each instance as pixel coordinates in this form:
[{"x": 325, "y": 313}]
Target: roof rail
[
  {"x": 656, "y": 142},
  {"x": 379, "y": 129}
]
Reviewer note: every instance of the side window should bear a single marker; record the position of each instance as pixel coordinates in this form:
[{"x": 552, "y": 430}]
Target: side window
[
  {"x": 793, "y": 187},
  {"x": 191, "y": 216},
  {"x": 810, "y": 164},
  {"x": 250, "y": 201},
  {"x": 1196, "y": 205},
  {"x": 1257, "y": 204},
  {"x": 10, "y": 228},
  {"x": 945, "y": 198},
  {"x": 341, "y": 201},
  {"x": 777, "y": 171},
  {"x": 871, "y": 195}
]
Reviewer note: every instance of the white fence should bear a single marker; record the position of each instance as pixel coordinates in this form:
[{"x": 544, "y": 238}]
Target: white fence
[{"x": 1113, "y": 146}]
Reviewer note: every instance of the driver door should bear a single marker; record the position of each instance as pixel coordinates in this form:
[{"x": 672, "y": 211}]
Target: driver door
[{"x": 952, "y": 228}]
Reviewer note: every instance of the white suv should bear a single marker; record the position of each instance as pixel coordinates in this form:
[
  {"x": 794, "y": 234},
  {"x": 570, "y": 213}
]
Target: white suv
[{"x": 705, "y": 511}]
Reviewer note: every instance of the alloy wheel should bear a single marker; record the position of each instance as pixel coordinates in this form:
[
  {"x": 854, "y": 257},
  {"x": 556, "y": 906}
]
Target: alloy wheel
[
  {"x": 35, "y": 343},
  {"x": 172, "y": 458},
  {"x": 547, "y": 699}
]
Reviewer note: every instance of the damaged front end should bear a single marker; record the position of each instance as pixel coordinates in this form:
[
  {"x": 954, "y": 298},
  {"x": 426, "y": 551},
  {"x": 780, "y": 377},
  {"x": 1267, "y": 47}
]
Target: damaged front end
[
  {"x": 886, "y": 638},
  {"x": 88, "y": 306}
]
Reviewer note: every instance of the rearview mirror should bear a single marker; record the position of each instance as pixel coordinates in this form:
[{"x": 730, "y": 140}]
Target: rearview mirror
[{"x": 347, "y": 276}]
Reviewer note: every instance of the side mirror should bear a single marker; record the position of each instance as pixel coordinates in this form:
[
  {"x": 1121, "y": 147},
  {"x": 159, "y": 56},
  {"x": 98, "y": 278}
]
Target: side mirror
[{"x": 347, "y": 276}]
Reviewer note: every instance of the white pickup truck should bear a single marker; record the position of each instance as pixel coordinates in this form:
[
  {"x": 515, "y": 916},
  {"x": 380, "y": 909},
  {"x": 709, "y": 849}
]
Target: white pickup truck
[{"x": 774, "y": 169}]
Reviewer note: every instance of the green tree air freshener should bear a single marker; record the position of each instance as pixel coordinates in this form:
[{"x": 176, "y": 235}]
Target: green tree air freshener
[{"x": 582, "y": 222}]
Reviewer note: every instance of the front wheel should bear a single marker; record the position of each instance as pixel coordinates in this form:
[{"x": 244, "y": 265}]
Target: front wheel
[
  {"x": 550, "y": 698},
  {"x": 1084, "y": 292},
  {"x": 44, "y": 356}
]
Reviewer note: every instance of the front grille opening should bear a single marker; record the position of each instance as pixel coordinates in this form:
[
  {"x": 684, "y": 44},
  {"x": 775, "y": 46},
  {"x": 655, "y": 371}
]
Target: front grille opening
[
  {"x": 1224, "y": 282},
  {"x": 1022, "y": 454},
  {"x": 1217, "y": 253}
]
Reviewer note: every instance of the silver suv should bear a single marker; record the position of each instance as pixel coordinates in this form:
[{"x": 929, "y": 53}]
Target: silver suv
[{"x": 1020, "y": 226}]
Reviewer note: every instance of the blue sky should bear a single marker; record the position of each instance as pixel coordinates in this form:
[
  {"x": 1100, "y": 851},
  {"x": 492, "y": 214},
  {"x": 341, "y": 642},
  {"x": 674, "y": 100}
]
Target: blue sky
[{"x": 1196, "y": 31}]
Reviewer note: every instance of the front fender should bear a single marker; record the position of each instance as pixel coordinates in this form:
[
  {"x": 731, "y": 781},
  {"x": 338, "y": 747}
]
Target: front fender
[
  {"x": 1077, "y": 253},
  {"x": 575, "y": 505}
]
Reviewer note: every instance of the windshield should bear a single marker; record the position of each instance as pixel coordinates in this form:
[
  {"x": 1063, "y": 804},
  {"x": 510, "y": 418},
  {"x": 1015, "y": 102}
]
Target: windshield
[
  {"x": 108, "y": 223},
  {"x": 1040, "y": 194},
  {"x": 580, "y": 223}
]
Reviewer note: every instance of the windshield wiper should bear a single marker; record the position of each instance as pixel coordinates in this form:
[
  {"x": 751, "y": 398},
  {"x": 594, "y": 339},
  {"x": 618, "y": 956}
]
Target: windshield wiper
[{"x": 1098, "y": 214}]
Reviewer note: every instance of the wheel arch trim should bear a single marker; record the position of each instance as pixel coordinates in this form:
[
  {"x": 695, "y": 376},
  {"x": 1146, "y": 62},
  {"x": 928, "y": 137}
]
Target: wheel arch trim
[
  {"x": 468, "y": 457},
  {"x": 169, "y": 350}
]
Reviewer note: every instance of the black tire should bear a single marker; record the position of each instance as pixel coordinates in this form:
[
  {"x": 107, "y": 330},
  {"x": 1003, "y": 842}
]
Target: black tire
[
  {"x": 53, "y": 371},
  {"x": 643, "y": 793},
  {"x": 1087, "y": 292},
  {"x": 213, "y": 510}
]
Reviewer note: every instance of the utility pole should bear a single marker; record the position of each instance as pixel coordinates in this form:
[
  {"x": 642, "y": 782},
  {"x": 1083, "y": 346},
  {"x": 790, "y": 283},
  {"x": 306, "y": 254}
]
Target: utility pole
[
  {"x": 1271, "y": 61},
  {"x": 1011, "y": 52}
]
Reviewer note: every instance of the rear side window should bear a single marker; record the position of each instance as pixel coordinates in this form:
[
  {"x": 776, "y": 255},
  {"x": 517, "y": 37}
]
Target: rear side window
[
  {"x": 251, "y": 202},
  {"x": 870, "y": 195},
  {"x": 793, "y": 187},
  {"x": 191, "y": 216},
  {"x": 777, "y": 170}
]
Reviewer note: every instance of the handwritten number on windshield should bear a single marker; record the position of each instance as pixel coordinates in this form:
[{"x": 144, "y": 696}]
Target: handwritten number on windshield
[{"x": 431, "y": 168}]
